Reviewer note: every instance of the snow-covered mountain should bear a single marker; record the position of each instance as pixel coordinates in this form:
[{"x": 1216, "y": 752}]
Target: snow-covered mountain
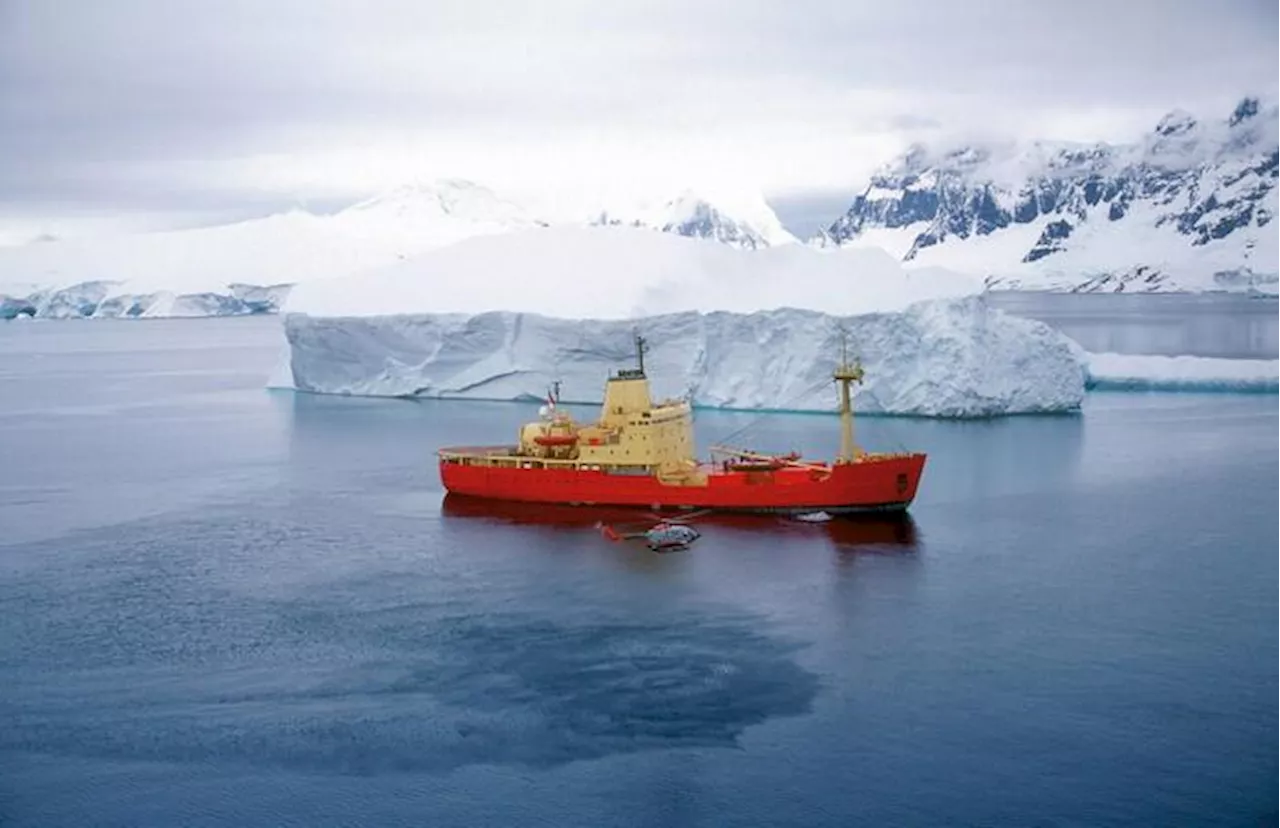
[
  {"x": 191, "y": 271},
  {"x": 282, "y": 248},
  {"x": 1190, "y": 207},
  {"x": 433, "y": 214},
  {"x": 745, "y": 222},
  {"x": 621, "y": 273}
]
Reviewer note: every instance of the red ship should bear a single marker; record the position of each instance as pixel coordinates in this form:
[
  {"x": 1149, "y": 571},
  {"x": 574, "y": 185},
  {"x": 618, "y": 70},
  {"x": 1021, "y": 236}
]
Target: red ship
[{"x": 641, "y": 454}]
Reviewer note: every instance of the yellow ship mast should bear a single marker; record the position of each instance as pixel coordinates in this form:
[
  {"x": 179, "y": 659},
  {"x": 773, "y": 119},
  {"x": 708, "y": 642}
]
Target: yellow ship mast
[{"x": 844, "y": 374}]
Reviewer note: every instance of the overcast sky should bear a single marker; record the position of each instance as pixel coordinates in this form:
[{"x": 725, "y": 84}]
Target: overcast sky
[{"x": 177, "y": 111}]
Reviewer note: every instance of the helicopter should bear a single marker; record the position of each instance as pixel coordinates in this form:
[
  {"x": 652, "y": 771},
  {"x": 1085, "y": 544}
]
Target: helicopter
[{"x": 670, "y": 534}]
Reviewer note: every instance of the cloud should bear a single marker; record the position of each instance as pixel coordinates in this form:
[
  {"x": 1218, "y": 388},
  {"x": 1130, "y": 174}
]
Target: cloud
[{"x": 169, "y": 103}]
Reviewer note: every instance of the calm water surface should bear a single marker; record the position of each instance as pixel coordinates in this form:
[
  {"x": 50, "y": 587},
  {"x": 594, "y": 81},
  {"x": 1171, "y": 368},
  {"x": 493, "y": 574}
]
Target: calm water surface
[{"x": 224, "y": 605}]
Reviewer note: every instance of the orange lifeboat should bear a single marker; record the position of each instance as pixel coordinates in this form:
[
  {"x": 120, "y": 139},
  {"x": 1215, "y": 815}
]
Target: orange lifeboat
[{"x": 555, "y": 440}]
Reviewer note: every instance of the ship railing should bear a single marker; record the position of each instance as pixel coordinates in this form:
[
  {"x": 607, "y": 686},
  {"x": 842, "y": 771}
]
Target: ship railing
[
  {"x": 477, "y": 451},
  {"x": 509, "y": 457},
  {"x": 862, "y": 456}
]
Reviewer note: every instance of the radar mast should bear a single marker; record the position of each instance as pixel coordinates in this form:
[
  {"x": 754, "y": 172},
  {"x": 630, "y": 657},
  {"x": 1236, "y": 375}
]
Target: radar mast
[{"x": 845, "y": 374}]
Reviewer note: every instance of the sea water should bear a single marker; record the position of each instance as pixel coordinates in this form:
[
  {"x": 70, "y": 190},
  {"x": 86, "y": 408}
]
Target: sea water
[{"x": 226, "y": 605}]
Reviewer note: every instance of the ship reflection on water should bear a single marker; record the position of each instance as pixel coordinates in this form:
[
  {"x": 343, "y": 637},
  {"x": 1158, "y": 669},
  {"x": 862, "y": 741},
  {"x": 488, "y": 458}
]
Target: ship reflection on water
[
  {"x": 886, "y": 534},
  {"x": 891, "y": 533}
]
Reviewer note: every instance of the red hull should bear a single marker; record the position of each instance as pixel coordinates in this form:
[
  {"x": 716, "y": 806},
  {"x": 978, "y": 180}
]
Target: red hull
[{"x": 874, "y": 484}]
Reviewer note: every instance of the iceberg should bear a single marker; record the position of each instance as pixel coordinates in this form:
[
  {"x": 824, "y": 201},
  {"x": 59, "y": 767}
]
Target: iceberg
[
  {"x": 941, "y": 358},
  {"x": 1131, "y": 372},
  {"x": 502, "y": 318}
]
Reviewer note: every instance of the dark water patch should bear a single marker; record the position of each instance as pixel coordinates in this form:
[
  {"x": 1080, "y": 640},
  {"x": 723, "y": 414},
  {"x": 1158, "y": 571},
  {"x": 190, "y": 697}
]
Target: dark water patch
[{"x": 460, "y": 691}]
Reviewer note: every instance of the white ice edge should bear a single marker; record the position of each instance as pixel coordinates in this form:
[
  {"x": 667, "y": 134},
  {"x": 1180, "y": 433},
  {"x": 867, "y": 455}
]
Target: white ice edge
[{"x": 1138, "y": 372}]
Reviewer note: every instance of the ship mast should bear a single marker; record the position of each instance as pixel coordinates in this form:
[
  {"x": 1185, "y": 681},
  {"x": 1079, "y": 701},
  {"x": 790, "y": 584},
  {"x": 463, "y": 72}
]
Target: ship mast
[
  {"x": 642, "y": 345},
  {"x": 844, "y": 374}
]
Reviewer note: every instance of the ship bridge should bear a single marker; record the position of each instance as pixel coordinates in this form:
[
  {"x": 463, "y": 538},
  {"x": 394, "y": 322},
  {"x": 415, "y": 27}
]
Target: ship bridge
[{"x": 632, "y": 433}]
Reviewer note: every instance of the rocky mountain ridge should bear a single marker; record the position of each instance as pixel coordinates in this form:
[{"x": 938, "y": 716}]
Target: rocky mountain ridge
[{"x": 1189, "y": 207}]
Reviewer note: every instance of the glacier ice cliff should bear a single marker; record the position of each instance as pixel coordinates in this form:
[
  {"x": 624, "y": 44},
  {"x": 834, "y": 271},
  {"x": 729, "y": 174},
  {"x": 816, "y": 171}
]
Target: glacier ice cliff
[
  {"x": 940, "y": 358},
  {"x": 14, "y": 306},
  {"x": 104, "y": 299}
]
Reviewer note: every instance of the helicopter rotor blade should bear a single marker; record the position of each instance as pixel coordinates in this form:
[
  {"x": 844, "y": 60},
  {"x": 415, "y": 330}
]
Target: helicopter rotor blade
[
  {"x": 615, "y": 533},
  {"x": 685, "y": 518}
]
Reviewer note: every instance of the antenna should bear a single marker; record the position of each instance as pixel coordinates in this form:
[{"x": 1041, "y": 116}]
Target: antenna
[{"x": 642, "y": 345}]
